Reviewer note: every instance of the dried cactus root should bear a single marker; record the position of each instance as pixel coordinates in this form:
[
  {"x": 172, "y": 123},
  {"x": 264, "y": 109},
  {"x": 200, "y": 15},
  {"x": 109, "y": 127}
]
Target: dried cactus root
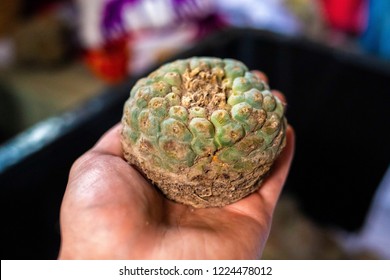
[{"x": 205, "y": 131}]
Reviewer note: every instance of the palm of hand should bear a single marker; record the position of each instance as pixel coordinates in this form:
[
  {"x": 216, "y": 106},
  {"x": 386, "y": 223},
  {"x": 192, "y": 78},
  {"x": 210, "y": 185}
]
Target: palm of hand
[{"x": 111, "y": 212}]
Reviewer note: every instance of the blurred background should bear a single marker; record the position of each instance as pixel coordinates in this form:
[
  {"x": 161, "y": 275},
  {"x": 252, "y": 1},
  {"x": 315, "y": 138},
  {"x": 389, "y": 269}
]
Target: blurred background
[{"x": 66, "y": 68}]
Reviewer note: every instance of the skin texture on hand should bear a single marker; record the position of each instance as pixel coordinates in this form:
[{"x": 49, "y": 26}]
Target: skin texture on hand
[{"x": 110, "y": 211}]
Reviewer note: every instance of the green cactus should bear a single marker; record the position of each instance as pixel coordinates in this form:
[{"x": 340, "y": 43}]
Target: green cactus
[{"x": 205, "y": 130}]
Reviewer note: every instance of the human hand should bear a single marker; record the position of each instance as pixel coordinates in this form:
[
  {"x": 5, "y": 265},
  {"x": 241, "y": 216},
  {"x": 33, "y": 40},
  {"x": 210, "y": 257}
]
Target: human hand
[{"x": 110, "y": 211}]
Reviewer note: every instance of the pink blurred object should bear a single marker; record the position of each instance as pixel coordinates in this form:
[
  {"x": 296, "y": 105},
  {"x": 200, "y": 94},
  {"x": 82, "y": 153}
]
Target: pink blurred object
[{"x": 346, "y": 15}]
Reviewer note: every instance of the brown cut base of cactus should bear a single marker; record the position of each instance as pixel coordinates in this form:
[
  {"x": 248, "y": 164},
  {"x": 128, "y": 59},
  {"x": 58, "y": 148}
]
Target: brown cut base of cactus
[{"x": 214, "y": 187}]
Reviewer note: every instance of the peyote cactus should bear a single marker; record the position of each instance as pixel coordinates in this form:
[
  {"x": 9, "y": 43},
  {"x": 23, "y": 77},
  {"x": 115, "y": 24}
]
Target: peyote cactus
[{"x": 205, "y": 130}]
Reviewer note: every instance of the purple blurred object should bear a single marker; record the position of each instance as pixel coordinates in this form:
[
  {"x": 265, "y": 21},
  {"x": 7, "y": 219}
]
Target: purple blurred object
[
  {"x": 112, "y": 16},
  {"x": 192, "y": 9},
  {"x": 123, "y": 16}
]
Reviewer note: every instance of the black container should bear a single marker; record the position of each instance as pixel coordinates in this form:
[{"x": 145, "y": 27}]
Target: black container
[{"x": 338, "y": 103}]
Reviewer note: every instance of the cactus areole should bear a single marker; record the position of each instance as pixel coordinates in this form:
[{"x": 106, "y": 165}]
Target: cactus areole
[{"x": 205, "y": 130}]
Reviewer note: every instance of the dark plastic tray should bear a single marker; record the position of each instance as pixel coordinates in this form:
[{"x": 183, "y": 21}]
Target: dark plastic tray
[{"x": 338, "y": 104}]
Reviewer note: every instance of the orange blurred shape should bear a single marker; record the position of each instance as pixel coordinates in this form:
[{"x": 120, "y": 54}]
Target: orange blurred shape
[{"x": 110, "y": 62}]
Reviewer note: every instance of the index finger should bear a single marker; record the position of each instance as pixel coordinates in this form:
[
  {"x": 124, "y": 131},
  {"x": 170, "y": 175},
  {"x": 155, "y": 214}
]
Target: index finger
[
  {"x": 110, "y": 142},
  {"x": 261, "y": 75}
]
